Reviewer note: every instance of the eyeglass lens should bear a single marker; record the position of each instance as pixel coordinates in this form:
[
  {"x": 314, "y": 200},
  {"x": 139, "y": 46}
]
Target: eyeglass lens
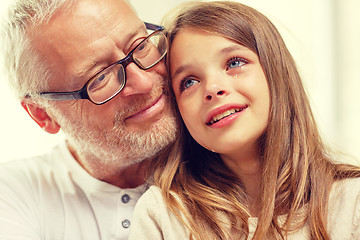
[{"x": 109, "y": 82}]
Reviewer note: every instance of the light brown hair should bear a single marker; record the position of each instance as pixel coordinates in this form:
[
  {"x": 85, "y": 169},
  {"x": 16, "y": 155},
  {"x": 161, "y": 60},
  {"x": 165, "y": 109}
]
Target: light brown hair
[{"x": 297, "y": 169}]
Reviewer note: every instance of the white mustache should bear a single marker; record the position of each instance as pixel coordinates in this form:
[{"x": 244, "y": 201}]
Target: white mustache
[{"x": 138, "y": 103}]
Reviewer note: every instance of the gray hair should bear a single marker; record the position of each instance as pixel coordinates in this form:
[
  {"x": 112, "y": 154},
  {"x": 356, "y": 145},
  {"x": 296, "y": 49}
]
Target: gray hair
[{"x": 27, "y": 72}]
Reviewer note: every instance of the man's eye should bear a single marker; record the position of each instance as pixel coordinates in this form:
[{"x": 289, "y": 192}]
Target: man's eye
[
  {"x": 186, "y": 83},
  {"x": 143, "y": 50},
  {"x": 100, "y": 81},
  {"x": 135, "y": 44},
  {"x": 235, "y": 62}
]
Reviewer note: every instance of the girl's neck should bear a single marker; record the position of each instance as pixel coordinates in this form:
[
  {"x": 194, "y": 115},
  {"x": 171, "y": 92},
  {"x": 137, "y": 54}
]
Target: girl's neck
[{"x": 248, "y": 169}]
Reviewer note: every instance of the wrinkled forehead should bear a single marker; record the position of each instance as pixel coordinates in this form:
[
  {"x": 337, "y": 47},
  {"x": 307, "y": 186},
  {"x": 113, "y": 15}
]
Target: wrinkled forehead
[
  {"x": 84, "y": 20},
  {"x": 87, "y": 31}
]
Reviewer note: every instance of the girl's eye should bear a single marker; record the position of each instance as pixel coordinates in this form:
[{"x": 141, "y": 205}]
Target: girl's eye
[
  {"x": 186, "y": 83},
  {"x": 235, "y": 62}
]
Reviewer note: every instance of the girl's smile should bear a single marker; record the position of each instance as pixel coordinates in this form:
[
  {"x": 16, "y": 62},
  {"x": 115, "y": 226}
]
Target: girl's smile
[{"x": 224, "y": 115}]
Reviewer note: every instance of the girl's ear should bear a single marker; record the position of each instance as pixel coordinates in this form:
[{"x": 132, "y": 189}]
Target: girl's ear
[{"x": 40, "y": 116}]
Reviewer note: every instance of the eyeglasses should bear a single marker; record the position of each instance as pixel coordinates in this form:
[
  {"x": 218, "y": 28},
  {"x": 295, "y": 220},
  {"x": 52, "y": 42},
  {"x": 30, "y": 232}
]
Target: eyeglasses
[{"x": 109, "y": 82}]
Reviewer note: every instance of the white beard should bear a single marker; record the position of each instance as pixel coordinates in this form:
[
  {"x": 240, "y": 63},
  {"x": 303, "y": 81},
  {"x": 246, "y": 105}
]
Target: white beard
[
  {"x": 119, "y": 147},
  {"x": 106, "y": 151}
]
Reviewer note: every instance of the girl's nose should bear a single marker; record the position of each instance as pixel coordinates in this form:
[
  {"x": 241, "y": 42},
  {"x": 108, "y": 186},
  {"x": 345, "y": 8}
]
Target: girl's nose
[
  {"x": 215, "y": 87},
  {"x": 219, "y": 93}
]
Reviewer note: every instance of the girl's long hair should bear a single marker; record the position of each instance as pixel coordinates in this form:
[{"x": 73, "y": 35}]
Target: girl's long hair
[{"x": 297, "y": 169}]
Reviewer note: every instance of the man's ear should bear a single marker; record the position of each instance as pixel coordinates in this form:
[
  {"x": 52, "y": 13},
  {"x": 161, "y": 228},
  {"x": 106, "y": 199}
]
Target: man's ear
[{"x": 40, "y": 116}]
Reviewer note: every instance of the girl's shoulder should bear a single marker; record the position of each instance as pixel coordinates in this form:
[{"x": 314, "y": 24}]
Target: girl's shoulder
[
  {"x": 344, "y": 209},
  {"x": 349, "y": 188},
  {"x": 345, "y": 191},
  {"x": 152, "y": 194},
  {"x": 154, "y": 220},
  {"x": 151, "y": 201}
]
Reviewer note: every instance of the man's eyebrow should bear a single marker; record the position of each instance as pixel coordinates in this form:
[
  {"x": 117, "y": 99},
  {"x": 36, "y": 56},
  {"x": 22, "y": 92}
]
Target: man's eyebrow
[
  {"x": 141, "y": 28},
  {"x": 86, "y": 68}
]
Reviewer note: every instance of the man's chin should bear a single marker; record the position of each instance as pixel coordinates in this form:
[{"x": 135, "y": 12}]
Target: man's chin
[{"x": 124, "y": 145}]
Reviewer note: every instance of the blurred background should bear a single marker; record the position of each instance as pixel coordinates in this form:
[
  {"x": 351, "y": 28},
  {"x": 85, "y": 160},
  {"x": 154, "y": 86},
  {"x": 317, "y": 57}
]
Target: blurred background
[{"x": 322, "y": 35}]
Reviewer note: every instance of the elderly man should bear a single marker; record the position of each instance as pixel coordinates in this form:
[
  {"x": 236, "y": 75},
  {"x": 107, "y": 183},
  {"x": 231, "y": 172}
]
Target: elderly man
[{"x": 93, "y": 69}]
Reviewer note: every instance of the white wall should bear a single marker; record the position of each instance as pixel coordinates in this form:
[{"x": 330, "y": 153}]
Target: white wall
[{"x": 323, "y": 37}]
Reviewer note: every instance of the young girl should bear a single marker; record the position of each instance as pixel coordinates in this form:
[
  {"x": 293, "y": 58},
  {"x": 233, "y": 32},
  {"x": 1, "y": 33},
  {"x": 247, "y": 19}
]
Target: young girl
[{"x": 249, "y": 162}]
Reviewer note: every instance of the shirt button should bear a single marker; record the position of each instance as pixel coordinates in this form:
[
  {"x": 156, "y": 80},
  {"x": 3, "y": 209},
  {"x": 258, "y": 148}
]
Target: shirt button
[
  {"x": 126, "y": 223},
  {"x": 125, "y": 198}
]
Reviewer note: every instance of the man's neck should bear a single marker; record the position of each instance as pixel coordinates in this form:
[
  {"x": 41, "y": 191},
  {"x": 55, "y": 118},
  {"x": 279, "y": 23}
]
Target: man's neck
[
  {"x": 121, "y": 176},
  {"x": 129, "y": 177}
]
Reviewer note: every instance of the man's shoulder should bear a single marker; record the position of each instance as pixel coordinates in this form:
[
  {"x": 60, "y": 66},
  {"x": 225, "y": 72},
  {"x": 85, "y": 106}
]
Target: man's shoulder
[
  {"x": 24, "y": 170},
  {"x": 23, "y": 166},
  {"x": 31, "y": 171}
]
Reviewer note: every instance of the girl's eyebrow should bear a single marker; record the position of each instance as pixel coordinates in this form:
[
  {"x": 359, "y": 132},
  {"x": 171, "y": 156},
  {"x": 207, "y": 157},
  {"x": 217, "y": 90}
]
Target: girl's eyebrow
[
  {"x": 180, "y": 69},
  {"x": 230, "y": 49},
  {"x": 223, "y": 51}
]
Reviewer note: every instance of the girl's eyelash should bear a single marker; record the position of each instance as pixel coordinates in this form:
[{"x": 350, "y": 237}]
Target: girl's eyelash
[
  {"x": 181, "y": 85},
  {"x": 238, "y": 59},
  {"x": 244, "y": 61},
  {"x": 183, "y": 81}
]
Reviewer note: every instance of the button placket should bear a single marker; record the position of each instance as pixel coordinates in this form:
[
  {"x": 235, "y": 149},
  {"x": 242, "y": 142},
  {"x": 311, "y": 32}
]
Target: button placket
[
  {"x": 125, "y": 199},
  {"x": 126, "y": 203}
]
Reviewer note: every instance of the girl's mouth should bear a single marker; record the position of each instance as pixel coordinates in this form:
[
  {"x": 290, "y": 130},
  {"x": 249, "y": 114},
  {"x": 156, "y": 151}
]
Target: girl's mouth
[{"x": 223, "y": 115}]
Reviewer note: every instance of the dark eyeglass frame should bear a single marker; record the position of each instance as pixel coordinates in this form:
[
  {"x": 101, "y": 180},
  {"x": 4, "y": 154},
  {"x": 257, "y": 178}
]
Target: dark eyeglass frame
[{"x": 83, "y": 93}]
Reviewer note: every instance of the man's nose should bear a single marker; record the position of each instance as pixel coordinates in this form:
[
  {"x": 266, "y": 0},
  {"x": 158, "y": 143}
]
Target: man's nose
[{"x": 138, "y": 81}]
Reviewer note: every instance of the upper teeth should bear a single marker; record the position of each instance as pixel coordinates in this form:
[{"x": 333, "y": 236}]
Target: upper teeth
[{"x": 223, "y": 114}]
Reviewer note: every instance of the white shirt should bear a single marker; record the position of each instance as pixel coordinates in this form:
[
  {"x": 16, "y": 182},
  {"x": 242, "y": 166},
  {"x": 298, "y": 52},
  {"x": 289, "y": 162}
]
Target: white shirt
[{"x": 53, "y": 197}]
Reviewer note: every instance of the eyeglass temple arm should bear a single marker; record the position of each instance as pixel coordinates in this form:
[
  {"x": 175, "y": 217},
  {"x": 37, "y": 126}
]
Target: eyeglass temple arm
[
  {"x": 65, "y": 95},
  {"x": 151, "y": 26}
]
